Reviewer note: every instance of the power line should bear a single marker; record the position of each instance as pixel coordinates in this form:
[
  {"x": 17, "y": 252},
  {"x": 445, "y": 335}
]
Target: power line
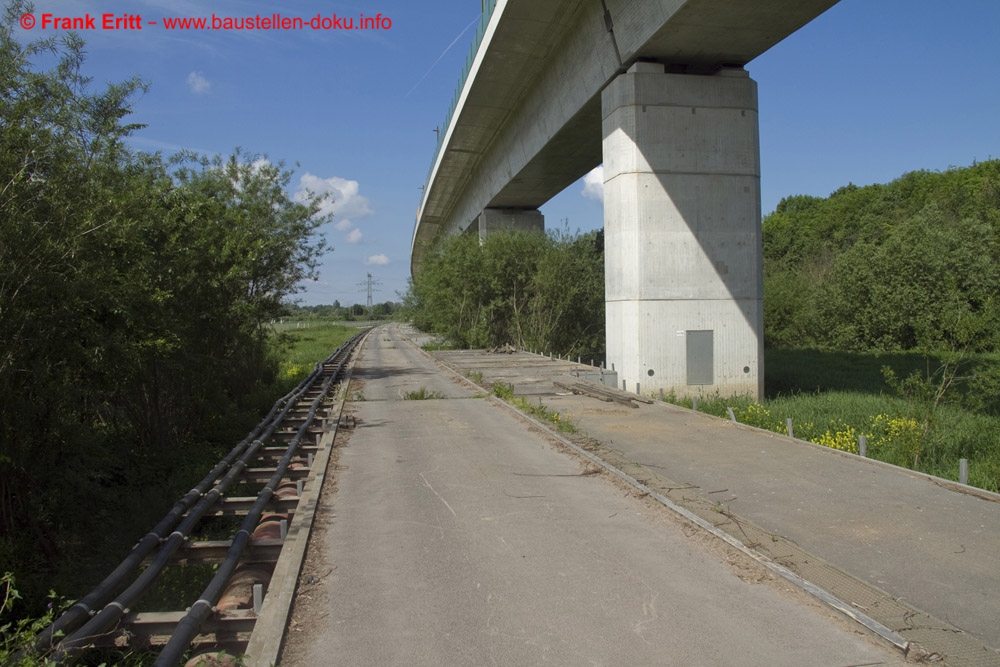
[{"x": 370, "y": 286}]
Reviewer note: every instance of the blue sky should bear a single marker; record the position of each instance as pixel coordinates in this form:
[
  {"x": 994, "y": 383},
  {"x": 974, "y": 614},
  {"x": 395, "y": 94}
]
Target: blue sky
[{"x": 866, "y": 92}]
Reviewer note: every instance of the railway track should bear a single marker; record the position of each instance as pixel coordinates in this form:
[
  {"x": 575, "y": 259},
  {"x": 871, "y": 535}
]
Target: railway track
[{"x": 261, "y": 497}]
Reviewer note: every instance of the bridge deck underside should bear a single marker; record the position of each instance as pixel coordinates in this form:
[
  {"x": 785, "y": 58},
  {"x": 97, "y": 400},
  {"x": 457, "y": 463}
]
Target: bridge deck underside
[{"x": 537, "y": 50}]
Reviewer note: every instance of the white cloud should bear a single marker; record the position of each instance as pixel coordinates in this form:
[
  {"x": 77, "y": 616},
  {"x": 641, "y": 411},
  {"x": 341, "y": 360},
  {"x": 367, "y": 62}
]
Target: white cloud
[
  {"x": 198, "y": 83},
  {"x": 343, "y": 201},
  {"x": 377, "y": 259},
  {"x": 593, "y": 184}
]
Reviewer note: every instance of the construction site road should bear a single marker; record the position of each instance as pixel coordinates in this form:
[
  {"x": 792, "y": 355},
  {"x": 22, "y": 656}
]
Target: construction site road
[{"x": 460, "y": 534}]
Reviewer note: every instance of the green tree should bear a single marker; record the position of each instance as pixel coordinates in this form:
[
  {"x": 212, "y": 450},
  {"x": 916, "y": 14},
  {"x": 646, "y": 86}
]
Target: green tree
[
  {"x": 898, "y": 226},
  {"x": 929, "y": 285},
  {"x": 133, "y": 293},
  {"x": 527, "y": 289},
  {"x": 567, "y": 305}
]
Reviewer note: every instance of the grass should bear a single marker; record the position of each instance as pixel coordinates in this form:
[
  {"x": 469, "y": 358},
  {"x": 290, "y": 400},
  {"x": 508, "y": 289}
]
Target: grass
[
  {"x": 834, "y": 397},
  {"x": 301, "y": 349},
  {"x": 421, "y": 395},
  {"x": 561, "y": 422},
  {"x": 797, "y": 371}
]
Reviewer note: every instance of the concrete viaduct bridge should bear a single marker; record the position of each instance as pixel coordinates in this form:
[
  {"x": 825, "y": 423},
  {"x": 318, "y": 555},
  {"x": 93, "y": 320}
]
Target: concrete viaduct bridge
[{"x": 656, "y": 90}]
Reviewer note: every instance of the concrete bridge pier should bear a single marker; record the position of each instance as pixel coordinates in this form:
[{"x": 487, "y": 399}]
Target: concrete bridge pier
[{"x": 683, "y": 265}]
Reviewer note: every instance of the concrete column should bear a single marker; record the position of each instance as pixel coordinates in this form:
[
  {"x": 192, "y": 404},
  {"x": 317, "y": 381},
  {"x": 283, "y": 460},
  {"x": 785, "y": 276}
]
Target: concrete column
[
  {"x": 494, "y": 219},
  {"x": 683, "y": 267}
]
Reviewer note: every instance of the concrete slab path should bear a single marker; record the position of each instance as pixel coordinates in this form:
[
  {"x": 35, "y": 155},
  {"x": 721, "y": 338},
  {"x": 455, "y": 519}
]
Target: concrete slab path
[
  {"x": 458, "y": 534},
  {"x": 878, "y": 534}
]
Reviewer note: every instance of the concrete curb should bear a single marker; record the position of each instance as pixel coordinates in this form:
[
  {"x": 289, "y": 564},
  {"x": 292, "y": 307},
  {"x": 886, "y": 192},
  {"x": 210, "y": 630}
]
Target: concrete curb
[{"x": 268, "y": 635}]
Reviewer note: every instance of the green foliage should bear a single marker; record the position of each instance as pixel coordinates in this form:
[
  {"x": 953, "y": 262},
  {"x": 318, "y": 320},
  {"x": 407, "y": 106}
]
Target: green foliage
[
  {"x": 834, "y": 397},
  {"x": 134, "y": 293},
  {"x": 421, "y": 394},
  {"x": 301, "y": 349},
  {"x": 911, "y": 265},
  {"x": 335, "y": 312},
  {"x": 560, "y": 422},
  {"x": 526, "y": 289},
  {"x": 17, "y": 633},
  {"x": 927, "y": 285}
]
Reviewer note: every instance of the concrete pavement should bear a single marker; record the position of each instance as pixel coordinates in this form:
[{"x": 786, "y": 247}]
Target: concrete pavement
[
  {"x": 916, "y": 554},
  {"x": 458, "y": 534}
]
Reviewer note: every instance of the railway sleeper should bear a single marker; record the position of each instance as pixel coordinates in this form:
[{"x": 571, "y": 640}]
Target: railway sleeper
[
  {"x": 150, "y": 629},
  {"x": 239, "y": 506},
  {"x": 212, "y": 552},
  {"x": 287, "y": 436},
  {"x": 263, "y": 475},
  {"x": 229, "y": 625},
  {"x": 278, "y": 452}
]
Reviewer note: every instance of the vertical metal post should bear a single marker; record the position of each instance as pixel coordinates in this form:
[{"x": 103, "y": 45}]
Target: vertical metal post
[
  {"x": 283, "y": 528},
  {"x": 624, "y": 387},
  {"x": 298, "y": 487},
  {"x": 863, "y": 445},
  {"x": 694, "y": 401},
  {"x": 963, "y": 471},
  {"x": 258, "y": 597},
  {"x": 637, "y": 389},
  {"x": 661, "y": 393},
  {"x": 788, "y": 421},
  {"x": 310, "y": 459}
]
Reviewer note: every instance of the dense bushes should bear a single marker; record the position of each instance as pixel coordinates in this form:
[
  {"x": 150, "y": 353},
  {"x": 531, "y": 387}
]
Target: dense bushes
[
  {"x": 541, "y": 291},
  {"x": 132, "y": 294},
  {"x": 912, "y": 265}
]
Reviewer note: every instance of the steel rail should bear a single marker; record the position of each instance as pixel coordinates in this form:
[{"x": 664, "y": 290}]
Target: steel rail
[
  {"x": 75, "y": 616},
  {"x": 189, "y": 511},
  {"x": 106, "y": 619},
  {"x": 188, "y": 627}
]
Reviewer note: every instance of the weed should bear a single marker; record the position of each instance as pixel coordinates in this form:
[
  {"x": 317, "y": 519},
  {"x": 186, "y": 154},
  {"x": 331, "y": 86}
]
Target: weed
[
  {"x": 19, "y": 635},
  {"x": 834, "y": 398},
  {"x": 221, "y": 659},
  {"x": 503, "y": 391},
  {"x": 561, "y": 422},
  {"x": 421, "y": 395},
  {"x": 301, "y": 350}
]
